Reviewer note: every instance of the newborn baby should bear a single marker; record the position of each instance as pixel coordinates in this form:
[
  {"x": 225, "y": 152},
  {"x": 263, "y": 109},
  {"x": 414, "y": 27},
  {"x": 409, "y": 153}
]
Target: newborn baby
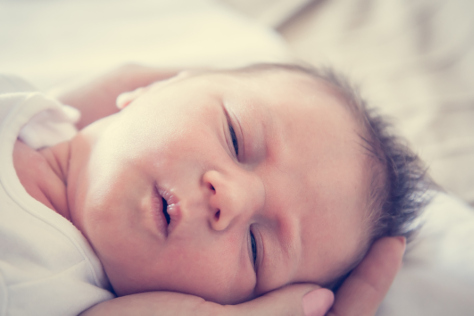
[{"x": 230, "y": 184}]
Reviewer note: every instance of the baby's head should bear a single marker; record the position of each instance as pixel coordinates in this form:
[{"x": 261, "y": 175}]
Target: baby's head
[{"x": 229, "y": 184}]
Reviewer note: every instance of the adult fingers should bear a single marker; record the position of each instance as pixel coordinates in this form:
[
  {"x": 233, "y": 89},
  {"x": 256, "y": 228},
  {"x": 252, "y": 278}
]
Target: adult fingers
[
  {"x": 317, "y": 302},
  {"x": 365, "y": 288},
  {"x": 294, "y": 299}
]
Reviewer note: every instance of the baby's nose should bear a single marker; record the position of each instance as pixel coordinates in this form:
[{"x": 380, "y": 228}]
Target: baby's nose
[{"x": 233, "y": 197}]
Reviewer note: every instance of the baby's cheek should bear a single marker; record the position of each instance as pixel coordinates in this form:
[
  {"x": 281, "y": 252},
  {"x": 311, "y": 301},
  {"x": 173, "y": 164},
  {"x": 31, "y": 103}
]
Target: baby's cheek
[
  {"x": 216, "y": 275},
  {"x": 217, "y": 290}
]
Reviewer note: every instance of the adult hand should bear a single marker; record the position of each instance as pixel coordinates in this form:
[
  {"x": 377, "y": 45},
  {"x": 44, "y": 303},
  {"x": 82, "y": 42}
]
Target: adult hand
[
  {"x": 282, "y": 302},
  {"x": 295, "y": 299},
  {"x": 366, "y": 287}
]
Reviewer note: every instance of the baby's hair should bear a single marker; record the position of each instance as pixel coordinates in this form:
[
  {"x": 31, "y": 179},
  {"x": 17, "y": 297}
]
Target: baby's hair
[{"x": 399, "y": 182}]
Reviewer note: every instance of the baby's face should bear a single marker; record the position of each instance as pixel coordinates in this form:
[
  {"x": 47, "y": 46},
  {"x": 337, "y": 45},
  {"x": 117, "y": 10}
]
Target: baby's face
[{"x": 281, "y": 201}]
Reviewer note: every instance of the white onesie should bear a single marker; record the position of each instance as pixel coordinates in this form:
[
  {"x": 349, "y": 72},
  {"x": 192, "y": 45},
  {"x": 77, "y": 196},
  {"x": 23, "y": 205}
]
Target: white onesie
[{"x": 47, "y": 266}]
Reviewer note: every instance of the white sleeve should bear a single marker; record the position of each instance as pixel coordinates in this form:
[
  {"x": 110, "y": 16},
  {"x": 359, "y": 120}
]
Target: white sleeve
[
  {"x": 48, "y": 127},
  {"x": 51, "y": 126}
]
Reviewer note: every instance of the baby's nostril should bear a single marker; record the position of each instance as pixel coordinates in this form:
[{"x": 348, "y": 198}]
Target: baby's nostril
[
  {"x": 218, "y": 214},
  {"x": 212, "y": 187}
]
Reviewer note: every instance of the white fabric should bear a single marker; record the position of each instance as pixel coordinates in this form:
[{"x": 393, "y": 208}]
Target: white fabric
[
  {"x": 437, "y": 277},
  {"x": 49, "y": 42},
  {"x": 50, "y": 126},
  {"x": 46, "y": 266}
]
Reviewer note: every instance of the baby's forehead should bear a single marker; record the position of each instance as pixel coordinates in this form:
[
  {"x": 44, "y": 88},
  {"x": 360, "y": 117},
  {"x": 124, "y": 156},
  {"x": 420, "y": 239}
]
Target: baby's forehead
[{"x": 262, "y": 80}]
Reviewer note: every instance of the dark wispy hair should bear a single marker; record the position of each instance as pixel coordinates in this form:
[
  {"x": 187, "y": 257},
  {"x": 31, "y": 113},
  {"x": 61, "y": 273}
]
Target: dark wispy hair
[{"x": 399, "y": 187}]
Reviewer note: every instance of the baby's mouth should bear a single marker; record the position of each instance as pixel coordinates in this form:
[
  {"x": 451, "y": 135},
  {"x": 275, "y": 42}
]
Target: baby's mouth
[
  {"x": 169, "y": 207},
  {"x": 165, "y": 210}
]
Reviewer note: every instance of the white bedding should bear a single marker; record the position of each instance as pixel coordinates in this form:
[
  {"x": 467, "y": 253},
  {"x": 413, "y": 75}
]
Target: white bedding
[
  {"x": 52, "y": 41},
  {"x": 438, "y": 273}
]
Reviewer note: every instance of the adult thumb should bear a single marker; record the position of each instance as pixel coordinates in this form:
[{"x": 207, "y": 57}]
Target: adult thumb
[{"x": 317, "y": 302}]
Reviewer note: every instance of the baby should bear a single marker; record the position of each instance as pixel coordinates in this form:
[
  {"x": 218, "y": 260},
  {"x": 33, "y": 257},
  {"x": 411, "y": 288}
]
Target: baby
[{"x": 229, "y": 184}]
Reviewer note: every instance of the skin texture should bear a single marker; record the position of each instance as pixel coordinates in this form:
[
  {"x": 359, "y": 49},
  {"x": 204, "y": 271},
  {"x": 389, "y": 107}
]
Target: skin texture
[
  {"x": 359, "y": 295},
  {"x": 284, "y": 186}
]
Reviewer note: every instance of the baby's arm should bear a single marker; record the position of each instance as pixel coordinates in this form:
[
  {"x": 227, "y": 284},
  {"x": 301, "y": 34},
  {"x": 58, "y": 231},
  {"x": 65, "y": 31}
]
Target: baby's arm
[{"x": 96, "y": 99}]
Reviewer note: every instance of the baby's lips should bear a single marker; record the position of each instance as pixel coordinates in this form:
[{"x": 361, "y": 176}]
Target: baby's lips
[
  {"x": 173, "y": 209},
  {"x": 174, "y": 212}
]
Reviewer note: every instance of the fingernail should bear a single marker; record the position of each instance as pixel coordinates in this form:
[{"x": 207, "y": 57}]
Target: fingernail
[
  {"x": 317, "y": 302},
  {"x": 401, "y": 239},
  {"x": 122, "y": 99}
]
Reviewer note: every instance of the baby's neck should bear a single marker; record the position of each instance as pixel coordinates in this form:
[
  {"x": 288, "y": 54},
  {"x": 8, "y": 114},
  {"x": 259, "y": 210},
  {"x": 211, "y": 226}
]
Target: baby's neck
[{"x": 43, "y": 173}]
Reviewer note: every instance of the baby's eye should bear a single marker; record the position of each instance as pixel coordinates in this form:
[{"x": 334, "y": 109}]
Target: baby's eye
[
  {"x": 254, "y": 248},
  {"x": 235, "y": 142}
]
